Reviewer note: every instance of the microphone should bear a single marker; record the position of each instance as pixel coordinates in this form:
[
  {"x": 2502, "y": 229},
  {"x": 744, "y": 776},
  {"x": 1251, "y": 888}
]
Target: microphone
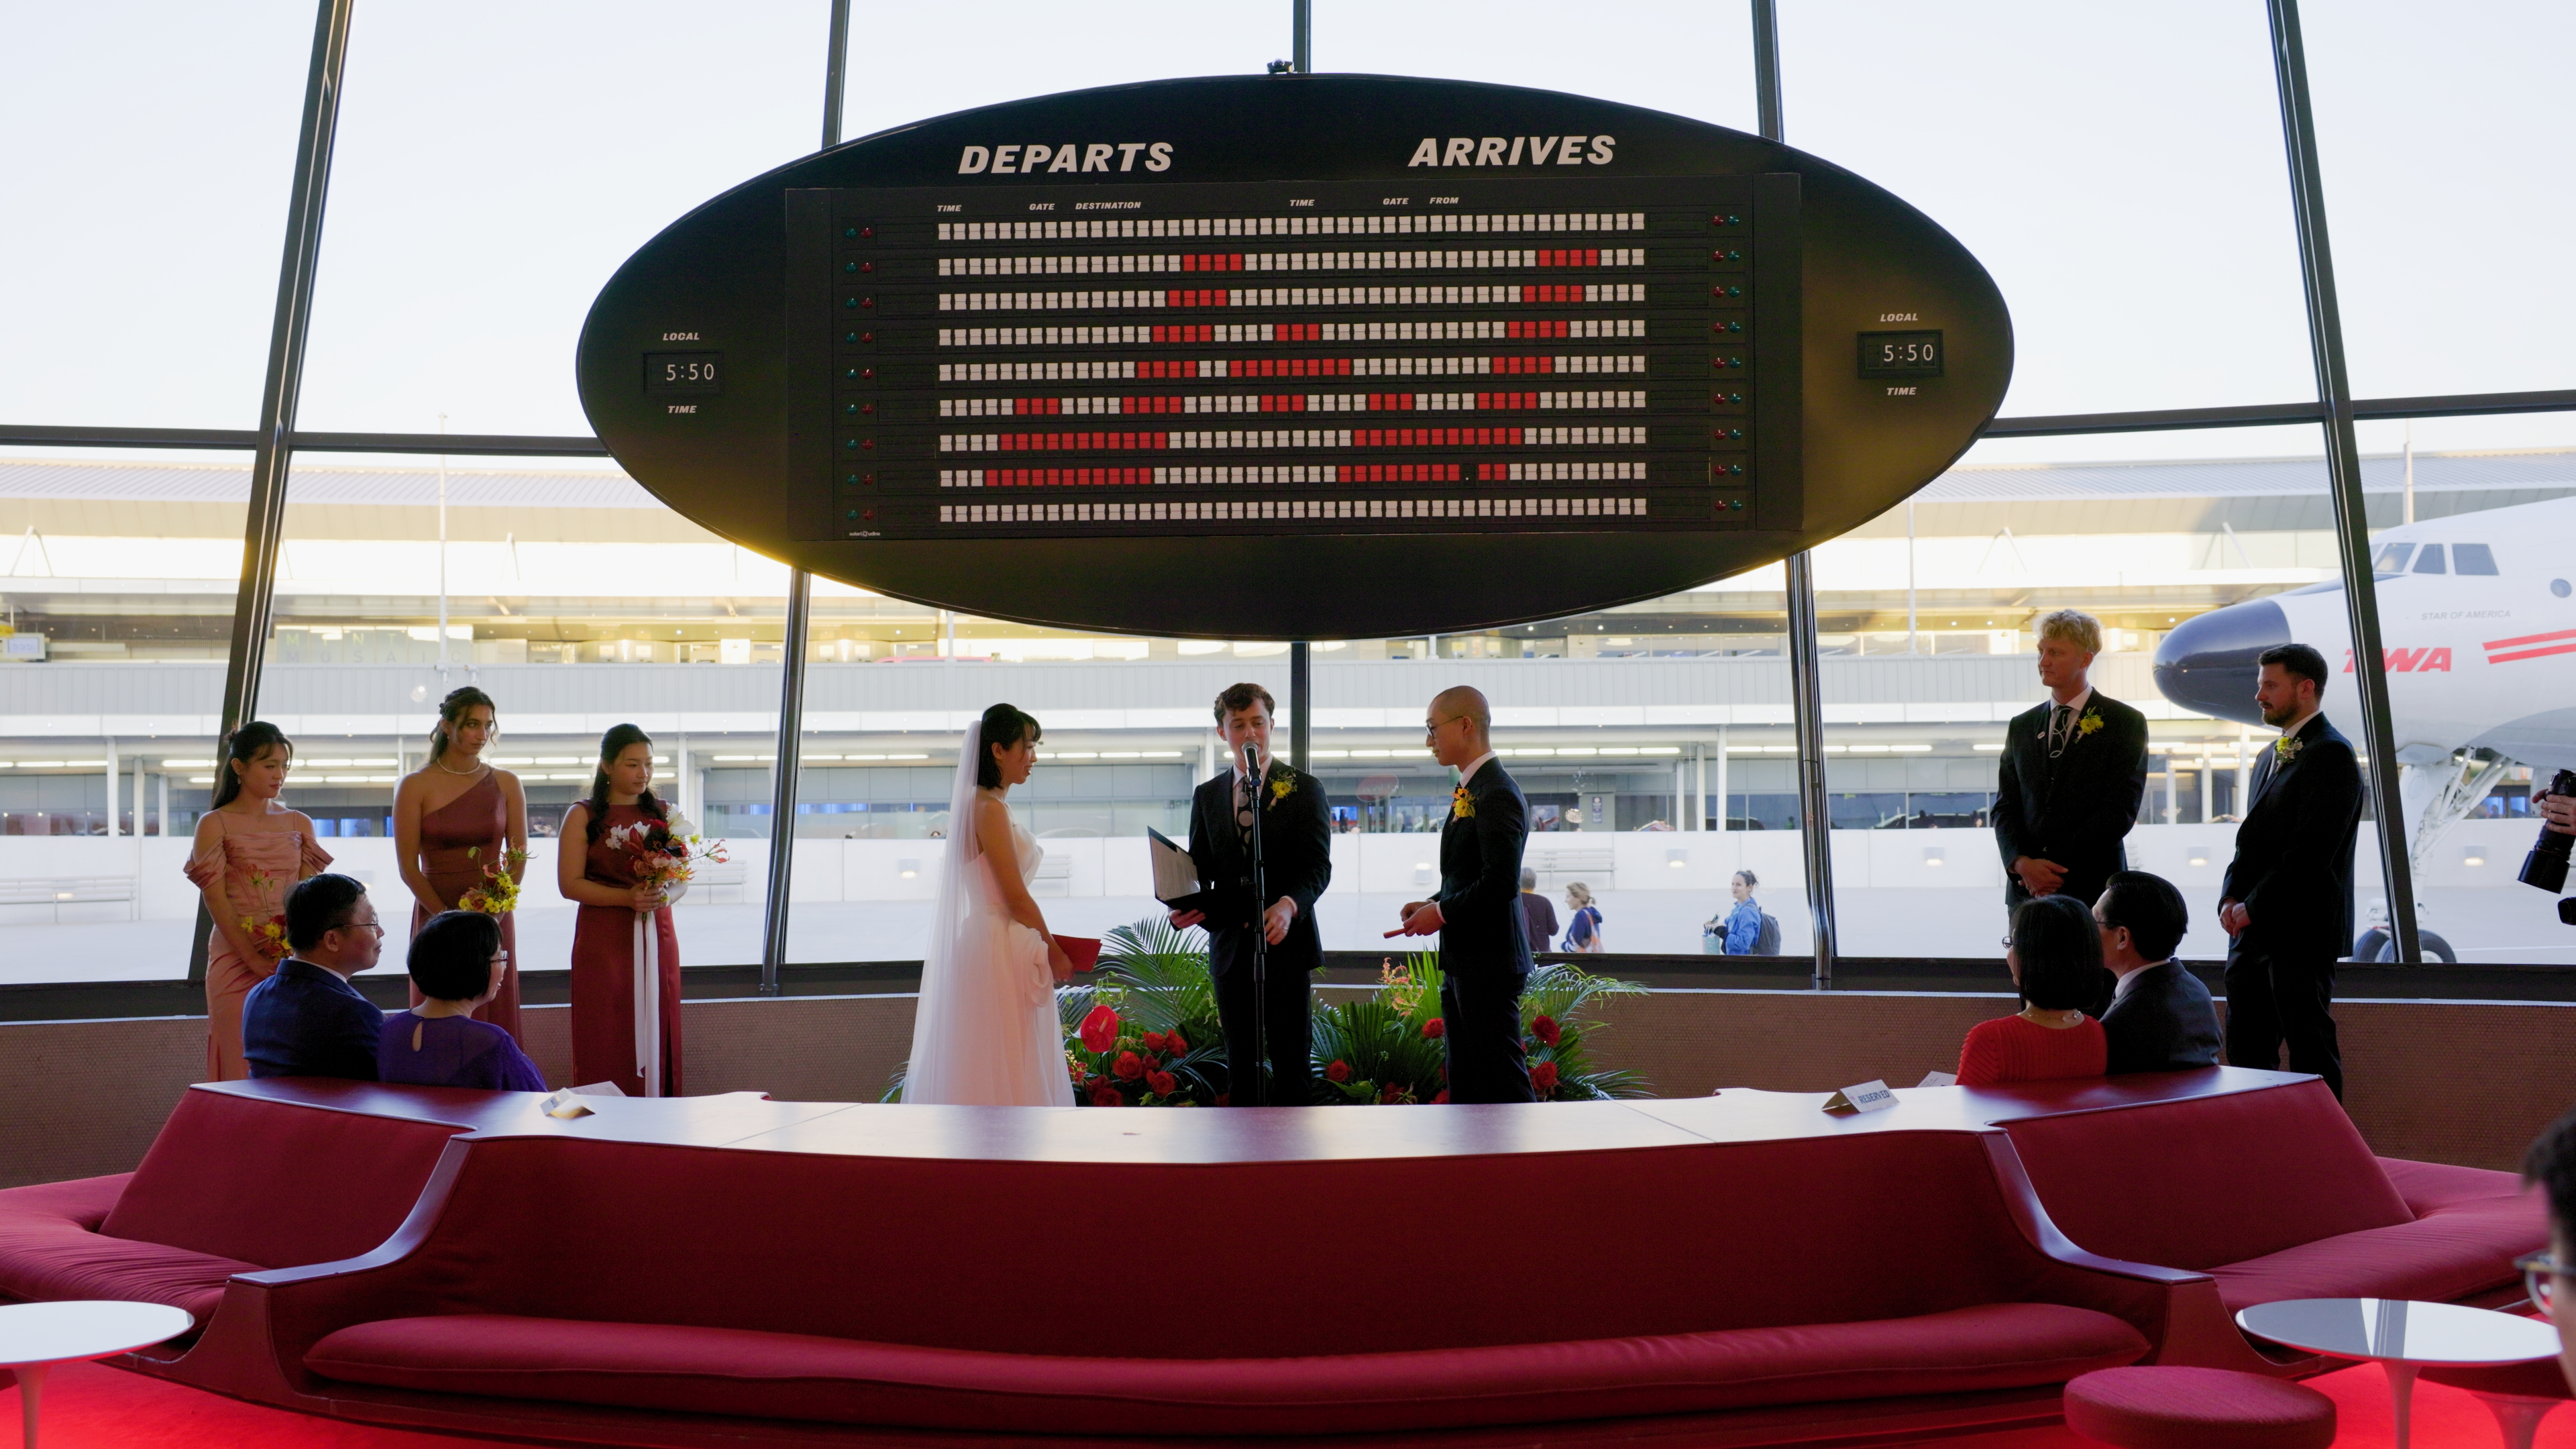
[{"x": 1251, "y": 761}]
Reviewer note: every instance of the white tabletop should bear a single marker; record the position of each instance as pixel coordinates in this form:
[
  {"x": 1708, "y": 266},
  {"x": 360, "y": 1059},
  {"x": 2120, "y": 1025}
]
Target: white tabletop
[
  {"x": 2396, "y": 1329},
  {"x": 41, "y": 1333}
]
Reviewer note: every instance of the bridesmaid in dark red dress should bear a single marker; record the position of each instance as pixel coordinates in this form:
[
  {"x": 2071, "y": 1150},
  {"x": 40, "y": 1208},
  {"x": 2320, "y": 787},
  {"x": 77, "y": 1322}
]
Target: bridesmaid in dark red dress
[
  {"x": 602, "y": 880},
  {"x": 455, "y": 803}
]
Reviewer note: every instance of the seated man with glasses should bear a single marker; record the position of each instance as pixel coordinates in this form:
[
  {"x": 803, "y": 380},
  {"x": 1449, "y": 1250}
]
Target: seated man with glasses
[
  {"x": 2551, "y": 1166},
  {"x": 306, "y": 1020}
]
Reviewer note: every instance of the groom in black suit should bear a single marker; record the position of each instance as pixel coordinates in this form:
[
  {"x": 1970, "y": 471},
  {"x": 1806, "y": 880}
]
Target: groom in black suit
[
  {"x": 2073, "y": 771},
  {"x": 2288, "y": 902},
  {"x": 1484, "y": 934},
  {"x": 1297, "y": 863}
]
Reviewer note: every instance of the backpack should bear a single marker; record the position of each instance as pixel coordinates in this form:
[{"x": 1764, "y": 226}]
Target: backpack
[{"x": 1766, "y": 942}]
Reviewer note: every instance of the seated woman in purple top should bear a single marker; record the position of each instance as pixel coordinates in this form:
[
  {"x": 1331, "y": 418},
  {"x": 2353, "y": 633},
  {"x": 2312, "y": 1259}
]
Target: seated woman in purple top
[{"x": 456, "y": 962}]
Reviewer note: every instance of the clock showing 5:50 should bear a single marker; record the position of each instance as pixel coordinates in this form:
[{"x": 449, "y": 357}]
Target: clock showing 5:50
[{"x": 683, "y": 372}]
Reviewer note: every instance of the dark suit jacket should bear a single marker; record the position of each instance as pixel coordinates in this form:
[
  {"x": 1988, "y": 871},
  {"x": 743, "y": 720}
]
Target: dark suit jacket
[
  {"x": 1484, "y": 934},
  {"x": 2164, "y": 1024},
  {"x": 2076, "y": 809},
  {"x": 2293, "y": 866},
  {"x": 305, "y": 1021},
  {"x": 1296, "y": 862}
]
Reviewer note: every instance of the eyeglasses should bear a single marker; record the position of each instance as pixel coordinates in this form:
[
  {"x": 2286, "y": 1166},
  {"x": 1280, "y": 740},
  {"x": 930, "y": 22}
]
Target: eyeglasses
[
  {"x": 2540, "y": 1274},
  {"x": 1432, "y": 726},
  {"x": 374, "y": 926}
]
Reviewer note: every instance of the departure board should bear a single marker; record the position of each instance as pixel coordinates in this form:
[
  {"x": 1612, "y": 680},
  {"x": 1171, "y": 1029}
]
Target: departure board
[
  {"x": 1293, "y": 357},
  {"x": 1548, "y": 356}
]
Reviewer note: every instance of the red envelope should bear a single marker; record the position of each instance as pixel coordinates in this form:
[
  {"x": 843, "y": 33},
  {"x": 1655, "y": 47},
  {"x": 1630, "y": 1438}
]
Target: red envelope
[{"x": 1084, "y": 950}]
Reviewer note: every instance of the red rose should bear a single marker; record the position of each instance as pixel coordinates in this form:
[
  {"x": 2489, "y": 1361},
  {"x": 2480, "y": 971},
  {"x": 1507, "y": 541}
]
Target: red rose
[
  {"x": 1153, "y": 1041},
  {"x": 1547, "y": 1031},
  {"x": 1392, "y": 1095},
  {"x": 1543, "y": 1077},
  {"x": 1163, "y": 1083},
  {"x": 1178, "y": 1046},
  {"x": 1100, "y": 1029},
  {"x": 1106, "y": 1097},
  {"x": 1129, "y": 1066},
  {"x": 1435, "y": 1028},
  {"x": 1442, "y": 1098},
  {"x": 1225, "y": 1099},
  {"x": 1339, "y": 1071}
]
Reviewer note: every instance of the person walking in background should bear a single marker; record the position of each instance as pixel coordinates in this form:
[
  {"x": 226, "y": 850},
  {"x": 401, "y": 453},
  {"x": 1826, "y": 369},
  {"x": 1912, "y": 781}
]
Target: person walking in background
[
  {"x": 2161, "y": 1019},
  {"x": 1484, "y": 934},
  {"x": 459, "y": 823},
  {"x": 1583, "y": 921},
  {"x": 2072, "y": 773},
  {"x": 2056, "y": 963},
  {"x": 456, "y": 961},
  {"x": 2287, "y": 906},
  {"x": 306, "y": 1020},
  {"x": 595, "y": 873},
  {"x": 1739, "y": 931},
  {"x": 1537, "y": 911},
  {"x": 250, "y": 851}
]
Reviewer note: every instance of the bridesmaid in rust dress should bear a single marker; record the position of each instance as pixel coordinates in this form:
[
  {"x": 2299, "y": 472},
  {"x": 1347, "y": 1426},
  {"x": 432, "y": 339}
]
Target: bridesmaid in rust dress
[
  {"x": 602, "y": 880},
  {"x": 250, "y": 851},
  {"x": 455, "y": 803}
]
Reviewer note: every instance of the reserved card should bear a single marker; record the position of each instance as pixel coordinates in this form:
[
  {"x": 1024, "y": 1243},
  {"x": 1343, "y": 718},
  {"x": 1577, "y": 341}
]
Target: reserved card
[
  {"x": 1867, "y": 1097},
  {"x": 568, "y": 1105},
  {"x": 1939, "y": 1079}
]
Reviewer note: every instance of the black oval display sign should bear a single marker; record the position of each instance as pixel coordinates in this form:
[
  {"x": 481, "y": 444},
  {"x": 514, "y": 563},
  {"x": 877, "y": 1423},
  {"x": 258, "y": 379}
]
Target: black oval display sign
[{"x": 1294, "y": 357}]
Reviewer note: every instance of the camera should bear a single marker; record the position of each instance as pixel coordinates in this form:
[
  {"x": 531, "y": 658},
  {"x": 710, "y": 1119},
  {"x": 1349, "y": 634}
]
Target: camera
[{"x": 2546, "y": 866}]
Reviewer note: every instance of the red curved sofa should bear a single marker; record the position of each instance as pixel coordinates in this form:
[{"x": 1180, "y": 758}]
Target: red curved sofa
[{"x": 1744, "y": 1268}]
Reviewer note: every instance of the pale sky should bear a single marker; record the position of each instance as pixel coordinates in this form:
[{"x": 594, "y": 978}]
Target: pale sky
[{"x": 2117, "y": 168}]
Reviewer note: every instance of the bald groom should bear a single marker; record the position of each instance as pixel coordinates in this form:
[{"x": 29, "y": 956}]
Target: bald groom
[{"x": 1484, "y": 936}]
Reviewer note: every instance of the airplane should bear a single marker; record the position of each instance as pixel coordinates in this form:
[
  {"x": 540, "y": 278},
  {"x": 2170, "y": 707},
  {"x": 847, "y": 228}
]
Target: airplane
[{"x": 2478, "y": 628}]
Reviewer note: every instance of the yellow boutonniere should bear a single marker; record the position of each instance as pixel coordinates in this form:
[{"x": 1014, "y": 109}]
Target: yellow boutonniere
[
  {"x": 2287, "y": 747},
  {"x": 1462, "y": 806},
  {"x": 2091, "y": 721},
  {"x": 1281, "y": 788}
]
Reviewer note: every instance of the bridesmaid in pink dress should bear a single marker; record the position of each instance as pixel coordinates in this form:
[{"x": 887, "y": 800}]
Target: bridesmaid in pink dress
[
  {"x": 250, "y": 851},
  {"x": 455, "y": 803},
  {"x": 602, "y": 880}
]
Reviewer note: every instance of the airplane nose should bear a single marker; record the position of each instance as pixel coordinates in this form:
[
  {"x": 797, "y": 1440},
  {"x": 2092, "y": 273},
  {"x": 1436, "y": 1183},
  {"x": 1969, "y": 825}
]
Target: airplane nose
[{"x": 2208, "y": 663}]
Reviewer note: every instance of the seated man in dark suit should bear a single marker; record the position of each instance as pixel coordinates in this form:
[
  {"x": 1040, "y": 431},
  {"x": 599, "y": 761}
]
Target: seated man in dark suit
[
  {"x": 2160, "y": 1019},
  {"x": 306, "y": 1020}
]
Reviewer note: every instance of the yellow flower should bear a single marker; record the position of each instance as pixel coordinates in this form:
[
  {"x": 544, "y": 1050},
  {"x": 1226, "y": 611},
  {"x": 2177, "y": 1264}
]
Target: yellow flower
[
  {"x": 1462, "y": 806},
  {"x": 1280, "y": 787},
  {"x": 2287, "y": 747},
  {"x": 2091, "y": 721}
]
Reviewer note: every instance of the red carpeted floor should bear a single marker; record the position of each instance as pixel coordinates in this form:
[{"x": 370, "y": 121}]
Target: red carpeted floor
[{"x": 89, "y": 1407}]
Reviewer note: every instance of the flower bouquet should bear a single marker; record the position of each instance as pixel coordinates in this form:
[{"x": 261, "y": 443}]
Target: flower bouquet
[
  {"x": 667, "y": 852},
  {"x": 267, "y": 937},
  {"x": 498, "y": 895}
]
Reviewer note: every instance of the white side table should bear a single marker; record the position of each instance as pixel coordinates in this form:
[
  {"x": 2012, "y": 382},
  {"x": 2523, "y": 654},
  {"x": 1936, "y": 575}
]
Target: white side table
[
  {"x": 36, "y": 1336},
  {"x": 2403, "y": 1337}
]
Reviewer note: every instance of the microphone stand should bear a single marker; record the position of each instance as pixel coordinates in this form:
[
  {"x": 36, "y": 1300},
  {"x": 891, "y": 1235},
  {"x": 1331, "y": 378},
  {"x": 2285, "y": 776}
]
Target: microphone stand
[{"x": 1259, "y": 1077}]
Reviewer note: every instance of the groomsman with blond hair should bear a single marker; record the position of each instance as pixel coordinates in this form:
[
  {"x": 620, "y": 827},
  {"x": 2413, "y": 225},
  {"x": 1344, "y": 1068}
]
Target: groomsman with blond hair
[{"x": 2073, "y": 771}]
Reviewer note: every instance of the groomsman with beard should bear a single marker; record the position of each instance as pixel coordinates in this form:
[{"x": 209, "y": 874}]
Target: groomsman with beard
[
  {"x": 2072, "y": 774},
  {"x": 1296, "y": 866},
  {"x": 2288, "y": 901},
  {"x": 1484, "y": 934}
]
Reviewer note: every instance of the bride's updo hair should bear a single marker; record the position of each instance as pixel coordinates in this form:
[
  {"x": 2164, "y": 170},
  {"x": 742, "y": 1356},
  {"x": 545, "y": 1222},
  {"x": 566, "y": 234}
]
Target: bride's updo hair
[{"x": 1004, "y": 725}]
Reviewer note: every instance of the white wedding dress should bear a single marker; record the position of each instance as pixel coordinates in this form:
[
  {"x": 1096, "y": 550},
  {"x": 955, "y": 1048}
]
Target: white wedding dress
[{"x": 986, "y": 1033}]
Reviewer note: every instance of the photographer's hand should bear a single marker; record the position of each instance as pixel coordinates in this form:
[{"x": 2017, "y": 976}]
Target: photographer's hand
[{"x": 2559, "y": 811}]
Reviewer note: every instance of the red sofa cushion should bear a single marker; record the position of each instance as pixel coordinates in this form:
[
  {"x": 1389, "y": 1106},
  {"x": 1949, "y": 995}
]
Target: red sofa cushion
[
  {"x": 50, "y": 1249},
  {"x": 273, "y": 1184},
  {"x": 2209, "y": 1181},
  {"x": 2433, "y": 1187},
  {"x": 794, "y": 1376},
  {"x": 2446, "y": 1256},
  {"x": 2198, "y": 1408}
]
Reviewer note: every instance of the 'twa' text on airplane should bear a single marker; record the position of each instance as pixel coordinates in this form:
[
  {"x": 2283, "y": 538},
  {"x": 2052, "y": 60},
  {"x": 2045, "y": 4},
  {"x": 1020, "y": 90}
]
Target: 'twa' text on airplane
[{"x": 2479, "y": 631}]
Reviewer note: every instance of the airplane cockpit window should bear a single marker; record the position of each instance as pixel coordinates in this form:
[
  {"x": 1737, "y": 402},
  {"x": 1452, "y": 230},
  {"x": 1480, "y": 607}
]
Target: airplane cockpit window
[
  {"x": 2430, "y": 560},
  {"x": 2392, "y": 558},
  {"x": 2472, "y": 558}
]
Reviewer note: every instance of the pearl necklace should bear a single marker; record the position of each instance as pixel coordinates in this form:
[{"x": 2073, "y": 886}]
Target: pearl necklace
[{"x": 478, "y": 769}]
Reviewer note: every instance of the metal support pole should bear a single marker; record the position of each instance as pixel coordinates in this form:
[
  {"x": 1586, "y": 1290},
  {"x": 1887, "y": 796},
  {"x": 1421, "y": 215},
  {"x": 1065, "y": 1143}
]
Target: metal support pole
[
  {"x": 272, "y": 453},
  {"x": 1301, "y": 40},
  {"x": 1806, "y": 697},
  {"x": 1301, "y": 697},
  {"x": 2343, "y": 474},
  {"x": 800, "y": 600}
]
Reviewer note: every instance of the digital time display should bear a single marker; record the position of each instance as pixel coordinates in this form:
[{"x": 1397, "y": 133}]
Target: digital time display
[
  {"x": 696, "y": 373},
  {"x": 1900, "y": 354}
]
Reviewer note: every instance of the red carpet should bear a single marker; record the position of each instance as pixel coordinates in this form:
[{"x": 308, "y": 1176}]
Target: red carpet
[{"x": 89, "y": 1407}]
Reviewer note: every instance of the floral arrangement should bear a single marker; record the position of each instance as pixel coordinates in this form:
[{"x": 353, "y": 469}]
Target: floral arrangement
[
  {"x": 267, "y": 937},
  {"x": 667, "y": 852},
  {"x": 1143, "y": 1032},
  {"x": 1387, "y": 1050},
  {"x": 498, "y": 895}
]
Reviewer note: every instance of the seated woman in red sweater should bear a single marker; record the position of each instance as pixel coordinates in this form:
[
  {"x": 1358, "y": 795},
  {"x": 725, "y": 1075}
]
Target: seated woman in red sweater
[{"x": 2056, "y": 960}]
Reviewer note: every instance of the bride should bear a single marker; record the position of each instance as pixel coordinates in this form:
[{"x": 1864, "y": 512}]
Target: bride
[{"x": 986, "y": 1033}]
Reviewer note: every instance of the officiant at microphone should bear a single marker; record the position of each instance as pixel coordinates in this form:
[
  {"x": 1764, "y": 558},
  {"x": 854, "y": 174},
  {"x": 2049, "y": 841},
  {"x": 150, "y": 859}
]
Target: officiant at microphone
[{"x": 1297, "y": 864}]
